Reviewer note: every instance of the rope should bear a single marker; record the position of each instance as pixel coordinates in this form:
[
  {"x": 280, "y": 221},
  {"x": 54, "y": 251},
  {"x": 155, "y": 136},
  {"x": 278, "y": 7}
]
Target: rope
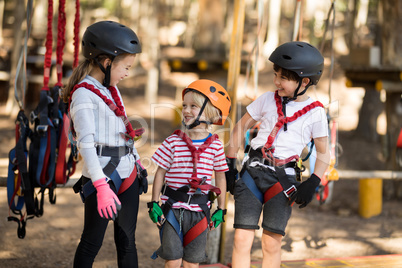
[
  {"x": 76, "y": 33},
  {"x": 61, "y": 41},
  {"x": 49, "y": 40}
]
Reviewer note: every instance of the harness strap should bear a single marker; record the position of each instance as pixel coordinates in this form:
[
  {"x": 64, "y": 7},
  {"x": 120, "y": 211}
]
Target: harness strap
[
  {"x": 282, "y": 120},
  {"x": 117, "y": 108},
  {"x": 194, "y": 181},
  {"x": 195, "y": 231},
  {"x": 110, "y": 171},
  {"x": 270, "y": 192},
  {"x": 191, "y": 234}
]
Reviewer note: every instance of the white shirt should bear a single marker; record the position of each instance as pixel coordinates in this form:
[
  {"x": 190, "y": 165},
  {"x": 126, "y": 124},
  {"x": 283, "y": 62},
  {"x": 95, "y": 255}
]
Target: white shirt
[
  {"x": 95, "y": 123},
  {"x": 299, "y": 133}
]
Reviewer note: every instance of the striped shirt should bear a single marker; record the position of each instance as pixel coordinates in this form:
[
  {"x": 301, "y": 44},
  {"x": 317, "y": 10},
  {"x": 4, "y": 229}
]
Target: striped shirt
[{"x": 175, "y": 157}]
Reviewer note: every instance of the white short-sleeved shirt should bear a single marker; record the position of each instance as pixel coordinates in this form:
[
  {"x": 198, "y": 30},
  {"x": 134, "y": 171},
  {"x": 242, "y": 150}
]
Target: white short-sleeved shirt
[
  {"x": 299, "y": 133},
  {"x": 95, "y": 123},
  {"x": 175, "y": 157}
]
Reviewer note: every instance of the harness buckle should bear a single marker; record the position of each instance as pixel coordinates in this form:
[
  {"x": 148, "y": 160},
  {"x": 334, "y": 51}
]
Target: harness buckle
[
  {"x": 290, "y": 191},
  {"x": 99, "y": 148},
  {"x": 33, "y": 116},
  {"x": 41, "y": 129}
]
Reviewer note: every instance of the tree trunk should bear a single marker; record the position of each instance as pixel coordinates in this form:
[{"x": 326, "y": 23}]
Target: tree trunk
[{"x": 368, "y": 114}]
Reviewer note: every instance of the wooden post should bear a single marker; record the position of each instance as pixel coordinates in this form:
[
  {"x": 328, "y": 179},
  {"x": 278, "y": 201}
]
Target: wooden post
[
  {"x": 233, "y": 73},
  {"x": 370, "y": 197}
]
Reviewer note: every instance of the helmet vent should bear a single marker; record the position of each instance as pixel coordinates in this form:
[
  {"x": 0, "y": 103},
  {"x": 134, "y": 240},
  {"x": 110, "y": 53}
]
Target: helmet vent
[
  {"x": 134, "y": 42},
  {"x": 212, "y": 89},
  {"x": 286, "y": 57},
  {"x": 300, "y": 45},
  {"x": 222, "y": 93},
  {"x": 92, "y": 44}
]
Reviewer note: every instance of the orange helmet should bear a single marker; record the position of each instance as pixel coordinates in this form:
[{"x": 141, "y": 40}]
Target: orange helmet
[{"x": 216, "y": 94}]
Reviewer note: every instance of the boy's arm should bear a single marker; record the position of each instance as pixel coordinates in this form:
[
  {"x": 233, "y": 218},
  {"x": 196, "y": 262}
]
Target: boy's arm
[
  {"x": 237, "y": 136},
  {"x": 323, "y": 156},
  {"x": 220, "y": 182},
  {"x": 158, "y": 183}
]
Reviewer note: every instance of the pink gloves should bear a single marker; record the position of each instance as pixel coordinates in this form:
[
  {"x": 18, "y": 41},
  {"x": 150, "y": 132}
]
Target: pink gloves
[{"x": 108, "y": 203}]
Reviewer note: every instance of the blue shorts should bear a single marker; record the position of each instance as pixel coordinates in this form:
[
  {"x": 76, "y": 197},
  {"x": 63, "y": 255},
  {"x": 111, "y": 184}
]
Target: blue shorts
[
  {"x": 172, "y": 247},
  {"x": 276, "y": 211}
]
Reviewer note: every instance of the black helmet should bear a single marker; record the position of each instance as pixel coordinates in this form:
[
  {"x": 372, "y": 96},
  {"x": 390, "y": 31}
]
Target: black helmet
[
  {"x": 110, "y": 38},
  {"x": 301, "y": 58}
]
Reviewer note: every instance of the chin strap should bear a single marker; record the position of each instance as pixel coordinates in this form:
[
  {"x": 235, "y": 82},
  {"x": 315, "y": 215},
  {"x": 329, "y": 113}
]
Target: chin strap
[
  {"x": 106, "y": 81},
  {"x": 286, "y": 100},
  {"x": 197, "y": 120}
]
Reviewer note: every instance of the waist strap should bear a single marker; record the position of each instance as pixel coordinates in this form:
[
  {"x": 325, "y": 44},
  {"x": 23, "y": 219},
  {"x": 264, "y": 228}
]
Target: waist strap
[
  {"x": 256, "y": 155},
  {"x": 113, "y": 151},
  {"x": 182, "y": 196}
]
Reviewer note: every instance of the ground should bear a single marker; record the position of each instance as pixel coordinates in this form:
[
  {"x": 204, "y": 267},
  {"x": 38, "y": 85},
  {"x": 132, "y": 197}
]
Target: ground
[{"x": 334, "y": 229}]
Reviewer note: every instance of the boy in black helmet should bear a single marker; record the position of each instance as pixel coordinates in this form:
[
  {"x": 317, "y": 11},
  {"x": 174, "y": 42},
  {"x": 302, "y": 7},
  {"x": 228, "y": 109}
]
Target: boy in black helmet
[{"x": 268, "y": 180}]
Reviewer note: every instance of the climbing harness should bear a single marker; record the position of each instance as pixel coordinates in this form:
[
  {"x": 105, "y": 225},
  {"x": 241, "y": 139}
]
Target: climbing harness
[
  {"x": 265, "y": 156},
  {"x": 114, "y": 152},
  {"x": 47, "y": 148},
  {"x": 181, "y": 194}
]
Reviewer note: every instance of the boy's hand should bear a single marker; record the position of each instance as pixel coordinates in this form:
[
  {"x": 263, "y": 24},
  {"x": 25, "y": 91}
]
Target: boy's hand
[
  {"x": 218, "y": 217},
  {"x": 231, "y": 174},
  {"x": 305, "y": 191},
  {"x": 155, "y": 211}
]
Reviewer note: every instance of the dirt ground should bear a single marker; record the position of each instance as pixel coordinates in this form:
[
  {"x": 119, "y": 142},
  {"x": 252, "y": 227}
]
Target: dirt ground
[{"x": 334, "y": 229}]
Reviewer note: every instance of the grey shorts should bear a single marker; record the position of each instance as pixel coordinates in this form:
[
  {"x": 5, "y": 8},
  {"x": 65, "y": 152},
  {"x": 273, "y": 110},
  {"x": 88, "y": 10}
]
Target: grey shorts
[
  {"x": 276, "y": 211},
  {"x": 172, "y": 247}
]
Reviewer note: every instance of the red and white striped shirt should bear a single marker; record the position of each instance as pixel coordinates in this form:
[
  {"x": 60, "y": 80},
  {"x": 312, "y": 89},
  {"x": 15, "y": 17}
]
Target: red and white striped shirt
[{"x": 175, "y": 157}]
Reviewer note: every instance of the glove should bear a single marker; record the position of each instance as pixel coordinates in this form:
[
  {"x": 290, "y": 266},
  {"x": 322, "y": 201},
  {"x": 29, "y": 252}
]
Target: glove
[
  {"x": 231, "y": 175},
  {"x": 143, "y": 174},
  {"x": 305, "y": 191},
  {"x": 218, "y": 217},
  {"x": 155, "y": 211},
  {"x": 108, "y": 203}
]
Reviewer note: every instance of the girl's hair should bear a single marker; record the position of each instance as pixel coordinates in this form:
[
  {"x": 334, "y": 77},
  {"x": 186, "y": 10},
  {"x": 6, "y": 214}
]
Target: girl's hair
[
  {"x": 211, "y": 113},
  {"x": 287, "y": 73},
  {"x": 83, "y": 69}
]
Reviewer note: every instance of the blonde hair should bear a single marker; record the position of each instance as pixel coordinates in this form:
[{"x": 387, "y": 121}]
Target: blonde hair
[
  {"x": 211, "y": 113},
  {"x": 82, "y": 70}
]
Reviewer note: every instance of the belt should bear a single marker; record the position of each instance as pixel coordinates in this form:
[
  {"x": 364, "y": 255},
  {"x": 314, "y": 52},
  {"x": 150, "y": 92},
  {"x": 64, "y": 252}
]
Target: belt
[
  {"x": 256, "y": 155},
  {"x": 113, "y": 151}
]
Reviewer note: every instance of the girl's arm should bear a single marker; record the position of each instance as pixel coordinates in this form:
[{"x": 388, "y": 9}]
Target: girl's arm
[
  {"x": 220, "y": 182},
  {"x": 323, "y": 156},
  {"x": 237, "y": 136},
  {"x": 158, "y": 183}
]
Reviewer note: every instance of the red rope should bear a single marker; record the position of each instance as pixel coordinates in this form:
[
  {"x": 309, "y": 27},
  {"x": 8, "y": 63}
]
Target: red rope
[
  {"x": 49, "y": 40},
  {"x": 117, "y": 108},
  {"x": 76, "y": 33},
  {"x": 61, "y": 41},
  {"x": 284, "y": 120}
]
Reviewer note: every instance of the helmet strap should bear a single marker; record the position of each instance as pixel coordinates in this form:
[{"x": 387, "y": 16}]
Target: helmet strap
[
  {"x": 107, "y": 71},
  {"x": 197, "y": 120}
]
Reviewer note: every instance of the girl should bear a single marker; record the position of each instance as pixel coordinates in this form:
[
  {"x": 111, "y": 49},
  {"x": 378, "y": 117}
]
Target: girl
[
  {"x": 104, "y": 137},
  {"x": 186, "y": 161}
]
